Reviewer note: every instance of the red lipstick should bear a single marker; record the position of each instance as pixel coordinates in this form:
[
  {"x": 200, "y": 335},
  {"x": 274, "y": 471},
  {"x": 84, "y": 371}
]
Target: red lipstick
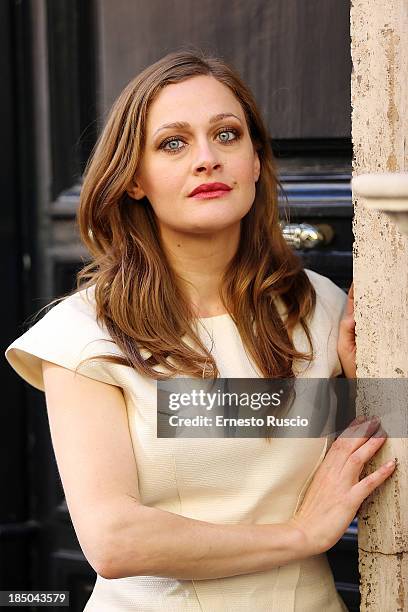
[{"x": 210, "y": 190}]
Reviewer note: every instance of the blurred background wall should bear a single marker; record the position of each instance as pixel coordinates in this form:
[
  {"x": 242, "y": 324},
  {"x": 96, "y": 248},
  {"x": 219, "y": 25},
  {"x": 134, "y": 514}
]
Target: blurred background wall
[{"x": 62, "y": 63}]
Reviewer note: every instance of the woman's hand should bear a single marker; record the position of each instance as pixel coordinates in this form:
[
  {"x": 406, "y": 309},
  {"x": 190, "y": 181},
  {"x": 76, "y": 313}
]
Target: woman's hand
[
  {"x": 346, "y": 345},
  {"x": 335, "y": 494}
]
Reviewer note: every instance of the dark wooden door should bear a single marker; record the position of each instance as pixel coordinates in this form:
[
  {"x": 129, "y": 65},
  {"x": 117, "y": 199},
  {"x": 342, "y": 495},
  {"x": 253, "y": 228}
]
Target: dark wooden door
[{"x": 295, "y": 56}]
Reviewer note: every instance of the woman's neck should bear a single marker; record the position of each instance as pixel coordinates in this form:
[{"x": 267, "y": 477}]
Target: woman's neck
[{"x": 200, "y": 261}]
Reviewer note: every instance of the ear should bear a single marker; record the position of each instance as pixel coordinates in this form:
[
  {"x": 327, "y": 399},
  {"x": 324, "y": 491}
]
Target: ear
[
  {"x": 135, "y": 191},
  {"x": 257, "y": 166}
]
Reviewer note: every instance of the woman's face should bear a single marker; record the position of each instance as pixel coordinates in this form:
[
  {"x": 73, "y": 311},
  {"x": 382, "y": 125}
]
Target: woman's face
[{"x": 212, "y": 146}]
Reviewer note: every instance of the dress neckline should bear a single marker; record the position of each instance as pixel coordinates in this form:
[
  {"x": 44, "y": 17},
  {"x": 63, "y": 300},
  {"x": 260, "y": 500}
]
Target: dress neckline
[{"x": 220, "y": 316}]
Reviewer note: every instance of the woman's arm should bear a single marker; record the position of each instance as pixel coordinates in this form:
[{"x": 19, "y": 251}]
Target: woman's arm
[
  {"x": 118, "y": 535},
  {"x": 152, "y": 542},
  {"x": 121, "y": 537}
]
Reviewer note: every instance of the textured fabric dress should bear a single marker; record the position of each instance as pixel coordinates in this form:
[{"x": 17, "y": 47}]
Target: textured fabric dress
[{"x": 219, "y": 480}]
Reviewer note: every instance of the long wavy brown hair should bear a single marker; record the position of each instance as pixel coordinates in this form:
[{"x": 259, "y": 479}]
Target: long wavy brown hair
[{"x": 138, "y": 296}]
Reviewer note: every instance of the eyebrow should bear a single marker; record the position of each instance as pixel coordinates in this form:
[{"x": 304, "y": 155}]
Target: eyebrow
[{"x": 183, "y": 124}]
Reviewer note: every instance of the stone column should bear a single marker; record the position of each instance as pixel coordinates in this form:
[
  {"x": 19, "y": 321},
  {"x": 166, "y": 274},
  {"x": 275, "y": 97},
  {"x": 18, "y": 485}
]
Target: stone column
[{"x": 379, "y": 45}]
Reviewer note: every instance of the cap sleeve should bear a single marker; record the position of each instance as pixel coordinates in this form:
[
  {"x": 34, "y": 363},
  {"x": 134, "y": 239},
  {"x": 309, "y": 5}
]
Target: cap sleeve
[
  {"x": 66, "y": 334},
  {"x": 330, "y": 304}
]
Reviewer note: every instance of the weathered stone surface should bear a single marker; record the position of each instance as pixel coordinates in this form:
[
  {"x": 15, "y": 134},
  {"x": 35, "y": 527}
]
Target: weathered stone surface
[
  {"x": 379, "y": 43},
  {"x": 378, "y": 592}
]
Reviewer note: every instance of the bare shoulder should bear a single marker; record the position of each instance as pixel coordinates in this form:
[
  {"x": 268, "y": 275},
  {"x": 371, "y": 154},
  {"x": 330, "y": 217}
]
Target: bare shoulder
[
  {"x": 56, "y": 375},
  {"x": 94, "y": 452},
  {"x": 87, "y": 398}
]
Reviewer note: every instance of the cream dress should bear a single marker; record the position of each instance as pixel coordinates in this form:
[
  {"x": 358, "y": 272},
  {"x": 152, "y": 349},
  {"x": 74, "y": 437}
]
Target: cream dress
[{"x": 210, "y": 479}]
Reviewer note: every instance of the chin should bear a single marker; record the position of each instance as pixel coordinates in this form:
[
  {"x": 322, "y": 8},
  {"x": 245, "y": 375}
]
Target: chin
[
  {"x": 213, "y": 224},
  {"x": 217, "y": 217}
]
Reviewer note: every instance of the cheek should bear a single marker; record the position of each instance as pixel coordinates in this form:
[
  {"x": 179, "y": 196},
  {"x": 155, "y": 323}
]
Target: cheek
[
  {"x": 162, "y": 184},
  {"x": 244, "y": 171}
]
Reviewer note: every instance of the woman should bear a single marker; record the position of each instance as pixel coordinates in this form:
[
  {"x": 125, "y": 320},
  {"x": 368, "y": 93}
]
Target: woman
[{"x": 191, "y": 277}]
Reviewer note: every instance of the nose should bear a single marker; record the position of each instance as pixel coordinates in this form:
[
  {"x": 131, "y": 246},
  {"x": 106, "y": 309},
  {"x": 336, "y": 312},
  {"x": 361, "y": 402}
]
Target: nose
[{"x": 206, "y": 160}]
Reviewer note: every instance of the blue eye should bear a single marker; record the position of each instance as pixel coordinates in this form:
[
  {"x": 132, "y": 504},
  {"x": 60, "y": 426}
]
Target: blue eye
[
  {"x": 227, "y": 132},
  {"x": 173, "y": 139},
  {"x": 169, "y": 142}
]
